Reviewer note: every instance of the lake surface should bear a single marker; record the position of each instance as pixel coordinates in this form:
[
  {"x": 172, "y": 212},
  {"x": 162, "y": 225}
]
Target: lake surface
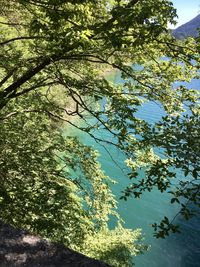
[{"x": 178, "y": 250}]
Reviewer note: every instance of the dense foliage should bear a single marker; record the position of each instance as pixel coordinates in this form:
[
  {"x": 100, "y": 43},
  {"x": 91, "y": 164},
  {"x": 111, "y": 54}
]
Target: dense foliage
[
  {"x": 53, "y": 56},
  {"x": 55, "y": 187}
]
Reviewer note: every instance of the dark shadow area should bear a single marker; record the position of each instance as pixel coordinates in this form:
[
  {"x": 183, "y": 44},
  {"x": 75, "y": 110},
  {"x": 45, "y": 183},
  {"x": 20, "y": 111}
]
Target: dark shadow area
[
  {"x": 20, "y": 248},
  {"x": 189, "y": 242},
  {"x": 183, "y": 250}
]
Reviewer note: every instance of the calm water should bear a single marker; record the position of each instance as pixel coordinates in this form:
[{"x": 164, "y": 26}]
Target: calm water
[{"x": 180, "y": 250}]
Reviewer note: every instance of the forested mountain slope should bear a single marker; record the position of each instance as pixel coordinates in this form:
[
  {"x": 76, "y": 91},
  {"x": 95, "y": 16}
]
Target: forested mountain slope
[{"x": 188, "y": 29}]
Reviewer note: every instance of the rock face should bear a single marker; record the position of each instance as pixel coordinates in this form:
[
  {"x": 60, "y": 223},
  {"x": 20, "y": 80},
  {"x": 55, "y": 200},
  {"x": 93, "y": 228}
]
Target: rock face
[
  {"x": 188, "y": 29},
  {"x": 20, "y": 248}
]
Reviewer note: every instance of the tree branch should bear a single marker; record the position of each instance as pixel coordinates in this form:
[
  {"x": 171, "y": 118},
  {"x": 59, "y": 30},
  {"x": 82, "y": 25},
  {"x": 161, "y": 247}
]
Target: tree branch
[{"x": 21, "y": 38}]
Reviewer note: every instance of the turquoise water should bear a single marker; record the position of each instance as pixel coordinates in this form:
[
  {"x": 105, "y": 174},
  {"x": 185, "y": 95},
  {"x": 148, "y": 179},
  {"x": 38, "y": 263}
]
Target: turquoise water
[{"x": 179, "y": 250}]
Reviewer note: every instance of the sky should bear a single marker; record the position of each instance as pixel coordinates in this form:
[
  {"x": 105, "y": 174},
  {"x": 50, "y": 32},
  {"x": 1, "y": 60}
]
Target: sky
[{"x": 186, "y": 10}]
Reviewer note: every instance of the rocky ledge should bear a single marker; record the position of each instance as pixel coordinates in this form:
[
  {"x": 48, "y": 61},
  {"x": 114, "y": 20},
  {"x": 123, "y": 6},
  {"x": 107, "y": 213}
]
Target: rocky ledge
[{"x": 20, "y": 248}]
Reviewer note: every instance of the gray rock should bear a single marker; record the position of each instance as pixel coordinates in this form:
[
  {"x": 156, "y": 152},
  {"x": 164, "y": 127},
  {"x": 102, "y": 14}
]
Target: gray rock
[{"x": 19, "y": 248}]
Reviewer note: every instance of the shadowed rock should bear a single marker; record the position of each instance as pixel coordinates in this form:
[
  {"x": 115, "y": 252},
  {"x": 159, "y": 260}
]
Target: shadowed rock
[{"x": 20, "y": 248}]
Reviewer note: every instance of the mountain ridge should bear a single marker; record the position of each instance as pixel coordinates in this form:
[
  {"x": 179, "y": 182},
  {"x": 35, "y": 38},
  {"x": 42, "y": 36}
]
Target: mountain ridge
[{"x": 189, "y": 28}]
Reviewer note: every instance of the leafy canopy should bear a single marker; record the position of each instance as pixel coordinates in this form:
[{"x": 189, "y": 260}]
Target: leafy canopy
[
  {"x": 54, "y": 186},
  {"x": 53, "y": 56}
]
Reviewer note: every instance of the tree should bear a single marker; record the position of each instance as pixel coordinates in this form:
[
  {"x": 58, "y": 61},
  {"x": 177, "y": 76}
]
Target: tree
[
  {"x": 59, "y": 49},
  {"x": 55, "y": 187}
]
